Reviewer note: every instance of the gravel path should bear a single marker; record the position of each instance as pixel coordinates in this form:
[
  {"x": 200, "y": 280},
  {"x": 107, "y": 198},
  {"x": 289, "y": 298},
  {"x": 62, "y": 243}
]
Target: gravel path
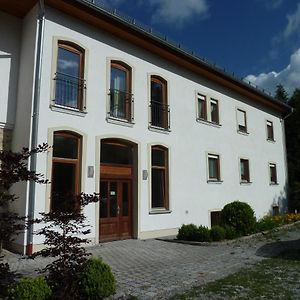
[{"x": 155, "y": 269}]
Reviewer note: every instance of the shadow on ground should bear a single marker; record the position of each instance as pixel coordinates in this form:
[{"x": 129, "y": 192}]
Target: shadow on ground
[{"x": 281, "y": 249}]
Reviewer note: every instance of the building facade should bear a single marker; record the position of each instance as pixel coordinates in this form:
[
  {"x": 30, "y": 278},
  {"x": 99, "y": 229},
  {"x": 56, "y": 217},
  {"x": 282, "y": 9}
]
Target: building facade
[{"x": 164, "y": 137}]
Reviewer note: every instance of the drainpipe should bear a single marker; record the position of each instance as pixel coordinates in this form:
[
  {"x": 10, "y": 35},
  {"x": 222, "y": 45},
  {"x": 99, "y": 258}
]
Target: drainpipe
[{"x": 35, "y": 119}]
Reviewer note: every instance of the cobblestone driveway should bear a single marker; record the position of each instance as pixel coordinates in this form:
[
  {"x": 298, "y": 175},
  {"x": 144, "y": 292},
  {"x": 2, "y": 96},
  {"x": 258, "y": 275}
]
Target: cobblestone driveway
[{"x": 155, "y": 269}]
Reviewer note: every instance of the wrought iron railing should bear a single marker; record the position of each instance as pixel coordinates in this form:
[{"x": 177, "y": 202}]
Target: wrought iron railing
[
  {"x": 160, "y": 115},
  {"x": 121, "y": 105},
  {"x": 69, "y": 91}
]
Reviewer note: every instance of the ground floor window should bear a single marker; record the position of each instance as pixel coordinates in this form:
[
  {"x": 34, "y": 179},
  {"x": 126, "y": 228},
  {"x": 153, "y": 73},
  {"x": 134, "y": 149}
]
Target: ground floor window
[
  {"x": 214, "y": 167},
  {"x": 159, "y": 178}
]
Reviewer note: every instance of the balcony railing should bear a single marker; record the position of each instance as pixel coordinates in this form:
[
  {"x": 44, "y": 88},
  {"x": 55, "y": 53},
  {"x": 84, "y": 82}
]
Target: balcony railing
[
  {"x": 160, "y": 115},
  {"x": 121, "y": 105},
  {"x": 69, "y": 91}
]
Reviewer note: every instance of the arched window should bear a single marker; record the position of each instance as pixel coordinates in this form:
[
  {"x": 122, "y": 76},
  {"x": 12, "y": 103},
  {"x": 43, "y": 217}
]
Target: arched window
[
  {"x": 159, "y": 103},
  {"x": 69, "y": 76},
  {"x": 159, "y": 177},
  {"x": 66, "y": 169},
  {"x": 121, "y": 99}
]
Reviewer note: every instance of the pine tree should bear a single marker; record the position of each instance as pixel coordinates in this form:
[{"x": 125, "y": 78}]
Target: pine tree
[{"x": 281, "y": 94}]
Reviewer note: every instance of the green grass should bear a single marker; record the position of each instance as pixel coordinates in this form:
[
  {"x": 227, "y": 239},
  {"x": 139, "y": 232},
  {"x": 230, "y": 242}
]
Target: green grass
[{"x": 272, "y": 278}]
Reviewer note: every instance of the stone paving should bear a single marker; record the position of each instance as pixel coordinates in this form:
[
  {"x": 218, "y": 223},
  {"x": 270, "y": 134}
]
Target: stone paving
[{"x": 155, "y": 269}]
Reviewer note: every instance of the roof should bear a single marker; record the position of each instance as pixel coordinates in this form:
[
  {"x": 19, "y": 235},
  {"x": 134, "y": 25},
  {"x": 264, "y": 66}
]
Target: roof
[{"x": 142, "y": 36}]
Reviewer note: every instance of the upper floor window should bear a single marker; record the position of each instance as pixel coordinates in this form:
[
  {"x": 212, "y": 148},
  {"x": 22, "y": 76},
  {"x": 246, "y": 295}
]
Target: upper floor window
[
  {"x": 69, "y": 76},
  {"x": 208, "y": 110},
  {"x": 214, "y": 173},
  {"x": 65, "y": 179},
  {"x": 273, "y": 173},
  {"x": 159, "y": 177},
  {"x": 121, "y": 99},
  {"x": 160, "y": 112},
  {"x": 242, "y": 121},
  {"x": 245, "y": 171},
  {"x": 270, "y": 131}
]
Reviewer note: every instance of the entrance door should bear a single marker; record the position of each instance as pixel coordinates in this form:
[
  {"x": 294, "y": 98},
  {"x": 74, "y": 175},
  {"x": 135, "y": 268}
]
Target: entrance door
[{"x": 115, "y": 209}]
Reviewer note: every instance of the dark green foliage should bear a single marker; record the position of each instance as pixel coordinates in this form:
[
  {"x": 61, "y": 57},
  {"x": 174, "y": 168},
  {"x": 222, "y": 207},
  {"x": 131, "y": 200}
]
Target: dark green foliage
[
  {"x": 217, "y": 233},
  {"x": 30, "y": 289},
  {"x": 203, "y": 234},
  {"x": 187, "y": 232},
  {"x": 267, "y": 223},
  {"x": 281, "y": 94},
  {"x": 230, "y": 232},
  {"x": 96, "y": 280},
  {"x": 240, "y": 216}
]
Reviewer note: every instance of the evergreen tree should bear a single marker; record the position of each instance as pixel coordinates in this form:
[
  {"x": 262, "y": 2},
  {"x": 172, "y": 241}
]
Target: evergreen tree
[{"x": 281, "y": 94}]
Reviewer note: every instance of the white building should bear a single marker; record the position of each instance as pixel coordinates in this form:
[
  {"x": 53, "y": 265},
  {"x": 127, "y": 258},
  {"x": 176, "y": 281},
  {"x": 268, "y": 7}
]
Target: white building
[{"x": 164, "y": 137}]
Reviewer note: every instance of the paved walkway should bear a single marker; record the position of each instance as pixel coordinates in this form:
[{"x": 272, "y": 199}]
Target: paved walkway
[{"x": 155, "y": 269}]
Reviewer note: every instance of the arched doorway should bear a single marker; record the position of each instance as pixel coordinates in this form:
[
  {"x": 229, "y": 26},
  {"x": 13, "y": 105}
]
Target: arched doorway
[{"x": 116, "y": 189}]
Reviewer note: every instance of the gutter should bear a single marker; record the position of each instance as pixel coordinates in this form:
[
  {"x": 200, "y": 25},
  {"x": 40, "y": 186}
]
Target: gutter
[{"x": 35, "y": 120}]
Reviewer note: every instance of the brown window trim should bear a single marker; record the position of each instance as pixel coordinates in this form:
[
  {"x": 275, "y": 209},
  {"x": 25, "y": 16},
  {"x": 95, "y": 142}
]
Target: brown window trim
[
  {"x": 72, "y": 161},
  {"x": 217, "y": 158},
  {"x": 217, "y": 121},
  {"x": 199, "y": 98},
  {"x": 72, "y": 47},
  {"x": 165, "y": 168},
  {"x": 165, "y": 106}
]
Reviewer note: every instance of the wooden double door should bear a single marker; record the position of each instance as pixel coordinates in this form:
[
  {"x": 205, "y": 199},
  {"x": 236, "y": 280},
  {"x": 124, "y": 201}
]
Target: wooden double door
[{"x": 115, "y": 209}]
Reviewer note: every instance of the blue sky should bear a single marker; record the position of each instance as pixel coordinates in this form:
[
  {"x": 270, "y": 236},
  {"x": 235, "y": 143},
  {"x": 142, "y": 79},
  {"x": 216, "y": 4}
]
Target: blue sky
[{"x": 256, "y": 39}]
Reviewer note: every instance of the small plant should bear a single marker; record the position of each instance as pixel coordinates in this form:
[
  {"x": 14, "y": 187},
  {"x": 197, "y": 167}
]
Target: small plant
[
  {"x": 217, "y": 233},
  {"x": 230, "y": 232},
  {"x": 31, "y": 289},
  {"x": 240, "y": 216},
  {"x": 203, "y": 234},
  {"x": 96, "y": 280},
  {"x": 187, "y": 232}
]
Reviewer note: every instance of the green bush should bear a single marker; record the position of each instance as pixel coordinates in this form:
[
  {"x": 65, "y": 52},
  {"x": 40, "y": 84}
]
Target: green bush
[
  {"x": 217, "y": 233},
  {"x": 203, "y": 234},
  {"x": 31, "y": 289},
  {"x": 230, "y": 232},
  {"x": 240, "y": 216},
  {"x": 267, "y": 223},
  {"x": 187, "y": 232},
  {"x": 96, "y": 280}
]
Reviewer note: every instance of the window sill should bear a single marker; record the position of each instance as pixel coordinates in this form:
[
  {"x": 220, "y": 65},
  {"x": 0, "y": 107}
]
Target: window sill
[
  {"x": 245, "y": 182},
  {"x": 159, "y": 129},
  {"x": 271, "y": 141},
  {"x": 274, "y": 183},
  {"x": 159, "y": 211},
  {"x": 118, "y": 121},
  {"x": 214, "y": 181},
  {"x": 206, "y": 122},
  {"x": 68, "y": 110},
  {"x": 242, "y": 132}
]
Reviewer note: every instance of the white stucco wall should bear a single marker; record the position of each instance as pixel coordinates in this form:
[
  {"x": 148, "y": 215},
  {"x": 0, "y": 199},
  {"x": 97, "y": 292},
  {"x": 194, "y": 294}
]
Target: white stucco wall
[{"x": 191, "y": 197}]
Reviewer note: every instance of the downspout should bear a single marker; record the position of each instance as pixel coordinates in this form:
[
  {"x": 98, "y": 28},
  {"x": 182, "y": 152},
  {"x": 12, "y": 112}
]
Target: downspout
[{"x": 35, "y": 119}]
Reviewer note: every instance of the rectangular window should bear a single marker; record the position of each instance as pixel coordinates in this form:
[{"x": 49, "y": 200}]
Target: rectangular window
[
  {"x": 121, "y": 99},
  {"x": 270, "y": 131},
  {"x": 214, "y": 111},
  {"x": 214, "y": 167},
  {"x": 241, "y": 120},
  {"x": 159, "y": 108},
  {"x": 215, "y": 218},
  {"x": 273, "y": 174},
  {"x": 69, "y": 76},
  {"x": 159, "y": 178},
  {"x": 245, "y": 173},
  {"x": 202, "y": 111}
]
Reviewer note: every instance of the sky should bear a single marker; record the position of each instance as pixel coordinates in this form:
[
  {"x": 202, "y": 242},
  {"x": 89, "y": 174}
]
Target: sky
[{"x": 258, "y": 40}]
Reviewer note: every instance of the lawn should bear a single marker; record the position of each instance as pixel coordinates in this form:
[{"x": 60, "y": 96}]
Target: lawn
[{"x": 272, "y": 278}]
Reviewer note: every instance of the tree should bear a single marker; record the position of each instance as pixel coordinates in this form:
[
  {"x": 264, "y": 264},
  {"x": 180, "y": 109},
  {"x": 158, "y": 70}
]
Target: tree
[{"x": 281, "y": 94}]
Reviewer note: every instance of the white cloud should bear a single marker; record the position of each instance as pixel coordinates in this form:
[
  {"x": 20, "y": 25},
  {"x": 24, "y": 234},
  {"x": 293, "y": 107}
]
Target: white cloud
[
  {"x": 178, "y": 12},
  {"x": 293, "y": 25},
  {"x": 288, "y": 77}
]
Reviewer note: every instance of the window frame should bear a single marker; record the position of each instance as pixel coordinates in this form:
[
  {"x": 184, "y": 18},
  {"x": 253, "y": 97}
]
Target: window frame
[
  {"x": 165, "y": 103},
  {"x": 274, "y": 167},
  {"x": 199, "y": 117},
  {"x": 217, "y": 157},
  {"x": 73, "y": 47},
  {"x": 129, "y": 105},
  {"x": 239, "y": 129},
  {"x": 77, "y": 162},
  {"x": 216, "y": 102},
  {"x": 166, "y": 188},
  {"x": 248, "y": 177},
  {"x": 270, "y": 138}
]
